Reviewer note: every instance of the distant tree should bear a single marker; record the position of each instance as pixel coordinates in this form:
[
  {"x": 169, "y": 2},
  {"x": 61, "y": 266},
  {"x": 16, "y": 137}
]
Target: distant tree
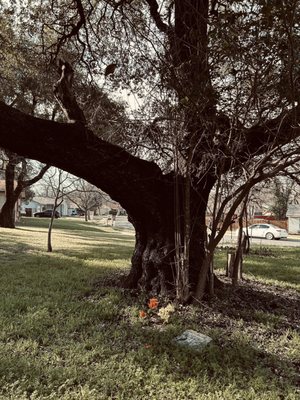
[
  {"x": 29, "y": 194},
  {"x": 57, "y": 185},
  {"x": 19, "y": 175},
  {"x": 282, "y": 193},
  {"x": 87, "y": 197}
]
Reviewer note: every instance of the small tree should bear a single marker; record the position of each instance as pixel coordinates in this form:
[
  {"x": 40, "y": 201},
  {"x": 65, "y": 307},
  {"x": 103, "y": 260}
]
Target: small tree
[
  {"x": 86, "y": 196},
  {"x": 58, "y": 185}
]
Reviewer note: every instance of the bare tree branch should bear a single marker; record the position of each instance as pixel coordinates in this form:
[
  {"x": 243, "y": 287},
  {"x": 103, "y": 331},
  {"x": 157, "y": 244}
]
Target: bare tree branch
[
  {"x": 75, "y": 28},
  {"x": 37, "y": 177},
  {"x": 163, "y": 27}
]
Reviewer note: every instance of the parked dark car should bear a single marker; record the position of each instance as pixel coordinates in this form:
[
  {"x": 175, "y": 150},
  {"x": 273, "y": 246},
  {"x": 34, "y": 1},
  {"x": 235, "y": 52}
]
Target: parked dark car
[
  {"x": 78, "y": 212},
  {"x": 46, "y": 214}
]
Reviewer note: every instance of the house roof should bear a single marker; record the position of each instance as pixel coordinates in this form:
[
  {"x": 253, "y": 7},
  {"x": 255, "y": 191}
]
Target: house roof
[
  {"x": 113, "y": 205},
  {"x": 43, "y": 200}
]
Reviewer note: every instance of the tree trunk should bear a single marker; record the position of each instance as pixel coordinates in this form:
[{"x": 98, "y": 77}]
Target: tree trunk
[
  {"x": 237, "y": 265},
  {"x": 205, "y": 277},
  {"x": 49, "y": 236},
  {"x": 7, "y": 213},
  {"x": 12, "y": 192},
  {"x": 153, "y": 262}
]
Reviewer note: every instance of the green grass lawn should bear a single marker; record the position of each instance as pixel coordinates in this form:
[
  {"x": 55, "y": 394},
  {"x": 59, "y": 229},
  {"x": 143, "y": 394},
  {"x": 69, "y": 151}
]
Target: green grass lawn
[
  {"x": 274, "y": 265},
  {"x": 66, "y": 332}
]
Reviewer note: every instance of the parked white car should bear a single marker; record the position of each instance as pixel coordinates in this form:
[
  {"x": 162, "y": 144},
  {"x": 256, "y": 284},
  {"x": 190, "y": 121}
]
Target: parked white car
[{"x": 267, "y": 231}]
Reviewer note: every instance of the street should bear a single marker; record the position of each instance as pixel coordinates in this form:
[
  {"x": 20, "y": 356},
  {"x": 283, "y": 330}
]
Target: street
[
  {"x": 291, "y": 241},
  {"x": 230, "y": 237}
]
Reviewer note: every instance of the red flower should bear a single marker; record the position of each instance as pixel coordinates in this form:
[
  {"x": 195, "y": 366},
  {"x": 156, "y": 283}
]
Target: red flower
[
  {"x": 153, "y": 303},
  {"x": 143, "y": 314}
]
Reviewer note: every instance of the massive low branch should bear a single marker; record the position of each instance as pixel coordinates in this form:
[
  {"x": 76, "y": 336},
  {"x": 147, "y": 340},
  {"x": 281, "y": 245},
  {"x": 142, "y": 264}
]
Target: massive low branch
[
  {"x": 275, "y": 132},
  {"x": 124, "y": 177},
  {"x": 242, "y": 144}
]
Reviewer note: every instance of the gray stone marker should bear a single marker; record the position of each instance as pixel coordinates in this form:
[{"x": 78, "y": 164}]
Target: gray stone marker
[{"x": 193, "y": 340}]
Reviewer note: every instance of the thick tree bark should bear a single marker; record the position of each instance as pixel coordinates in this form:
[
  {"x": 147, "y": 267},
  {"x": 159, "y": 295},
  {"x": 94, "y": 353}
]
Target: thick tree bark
[
  {"x": 7, "y": 213},
  {"x": 154, "y": 261},
  {"x": 7, "y": 216}
]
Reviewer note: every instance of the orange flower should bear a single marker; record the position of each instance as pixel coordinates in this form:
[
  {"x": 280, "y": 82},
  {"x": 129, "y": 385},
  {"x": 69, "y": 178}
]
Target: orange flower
[
  {"x": 143, "y": 314},
  {"x": 153, "y": 303}
]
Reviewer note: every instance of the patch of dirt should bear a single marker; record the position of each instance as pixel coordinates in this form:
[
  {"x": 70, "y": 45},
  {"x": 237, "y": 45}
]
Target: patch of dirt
[
  {"x": 252, "y": 296},
  {"x": 245, "y": 301}
]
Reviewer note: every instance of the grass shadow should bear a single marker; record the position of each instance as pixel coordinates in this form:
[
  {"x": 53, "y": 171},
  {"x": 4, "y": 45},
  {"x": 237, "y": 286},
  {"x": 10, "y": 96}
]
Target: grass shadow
[
  {"x": 61, "y": 223},
  {"x": 277, "y": 266}
]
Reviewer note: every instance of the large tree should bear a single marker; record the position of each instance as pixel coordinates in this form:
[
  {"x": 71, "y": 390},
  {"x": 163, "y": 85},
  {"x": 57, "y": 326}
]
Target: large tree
[
  {"x": 19, "y": 176},
  {"x": 225, "y": 79}
]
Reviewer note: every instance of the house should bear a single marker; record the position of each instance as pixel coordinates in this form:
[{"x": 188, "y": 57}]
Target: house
[
  {"x": 3, "y": 199},
  {"x": 293, "y": 214},
  {"x": 40, "y": 203},
  {"x": 110, "y": 205}
]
